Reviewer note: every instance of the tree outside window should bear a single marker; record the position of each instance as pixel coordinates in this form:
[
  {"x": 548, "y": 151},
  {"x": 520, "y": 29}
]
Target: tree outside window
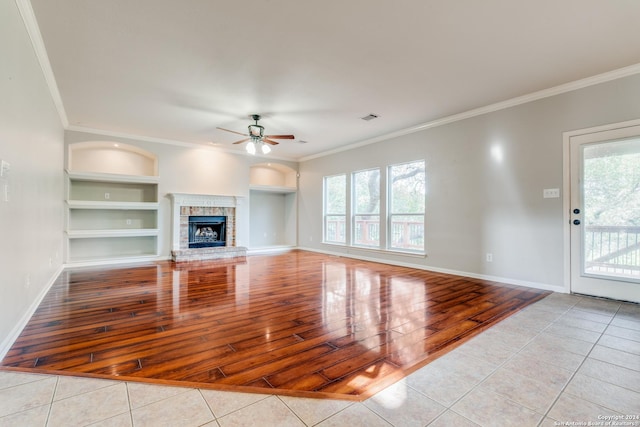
[
  {"x": 335, "y": 208},
  {"x": 366, "y": 208},
  {"x": 611, "y": 191},
  {"x": 407, "y": 189}
]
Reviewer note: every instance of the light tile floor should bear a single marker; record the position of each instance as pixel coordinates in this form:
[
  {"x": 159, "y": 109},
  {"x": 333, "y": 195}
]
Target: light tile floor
[{"x": 565, "y": 359}]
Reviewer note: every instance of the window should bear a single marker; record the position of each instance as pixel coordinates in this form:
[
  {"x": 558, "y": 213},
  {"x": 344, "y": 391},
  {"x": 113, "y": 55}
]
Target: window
[
  {"x": 335, "y": 208},
  {"x": 406, "y": 206},
  {"x": 366, "y": 208}
]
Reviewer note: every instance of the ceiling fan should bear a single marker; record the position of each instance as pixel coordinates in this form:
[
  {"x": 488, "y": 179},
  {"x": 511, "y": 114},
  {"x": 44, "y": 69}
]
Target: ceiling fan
[{"x": 256, "y": 137}]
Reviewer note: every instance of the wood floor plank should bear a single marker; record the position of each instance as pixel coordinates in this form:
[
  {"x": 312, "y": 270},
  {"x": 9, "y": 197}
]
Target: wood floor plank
[{"x": 296, "y": 322}]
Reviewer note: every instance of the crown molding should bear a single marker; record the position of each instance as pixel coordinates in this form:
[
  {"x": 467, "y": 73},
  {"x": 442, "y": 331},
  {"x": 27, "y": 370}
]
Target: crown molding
[
  {"x": 545, "y": 93},
  {"x": 31, "y": 25}
]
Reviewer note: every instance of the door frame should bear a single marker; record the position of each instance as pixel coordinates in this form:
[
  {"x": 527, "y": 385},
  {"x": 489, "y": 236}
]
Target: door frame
[{"x": 566, "y": 187}]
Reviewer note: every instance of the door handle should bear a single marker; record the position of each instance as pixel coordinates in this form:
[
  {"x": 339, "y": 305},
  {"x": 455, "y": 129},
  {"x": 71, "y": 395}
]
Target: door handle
[{"x": 576, "y": 222}]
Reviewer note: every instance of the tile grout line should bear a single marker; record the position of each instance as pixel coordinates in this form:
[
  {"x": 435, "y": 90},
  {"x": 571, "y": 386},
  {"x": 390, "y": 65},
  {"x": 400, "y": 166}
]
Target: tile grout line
[
  {"x": 213, "y": 414},
  {"x": 129, "y": 402},
  {"x": 53, "y": 395}
]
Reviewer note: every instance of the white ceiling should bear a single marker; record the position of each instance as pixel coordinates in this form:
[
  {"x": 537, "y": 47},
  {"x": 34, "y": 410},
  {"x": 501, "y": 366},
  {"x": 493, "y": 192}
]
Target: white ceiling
[{"x": 177, "y": 69}]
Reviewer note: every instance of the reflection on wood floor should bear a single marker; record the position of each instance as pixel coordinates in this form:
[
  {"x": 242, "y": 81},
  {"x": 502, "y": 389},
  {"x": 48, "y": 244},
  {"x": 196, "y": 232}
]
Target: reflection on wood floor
[{"x": 298, "y": 323}]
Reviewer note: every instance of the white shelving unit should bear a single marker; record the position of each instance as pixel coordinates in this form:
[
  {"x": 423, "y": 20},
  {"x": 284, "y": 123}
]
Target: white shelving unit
[
  {"x": 273, "y": 189},
  {"x": 111, "y": 217}
]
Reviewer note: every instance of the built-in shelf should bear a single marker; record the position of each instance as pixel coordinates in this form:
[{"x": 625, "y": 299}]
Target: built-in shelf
[
  {"x": 112, "y": 177},
  {"x": 111, "y": 217},
  {"x": 127, "y": 206},
  {"x": 273, "y": 189},
  {"x": 87, "y": 234}
]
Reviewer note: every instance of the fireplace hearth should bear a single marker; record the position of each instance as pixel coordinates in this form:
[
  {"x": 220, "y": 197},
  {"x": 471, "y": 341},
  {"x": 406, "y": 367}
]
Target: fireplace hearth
[{"x": 207, "y": 231}]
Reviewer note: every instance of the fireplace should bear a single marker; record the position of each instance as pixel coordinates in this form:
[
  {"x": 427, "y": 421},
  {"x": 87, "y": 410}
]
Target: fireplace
[
  {"x": 207, "y": 231},
  {"x": 206, "y": 213}
]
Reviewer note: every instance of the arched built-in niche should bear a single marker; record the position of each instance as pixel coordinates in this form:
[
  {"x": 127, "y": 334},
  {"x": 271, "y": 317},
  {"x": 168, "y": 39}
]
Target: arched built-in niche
[
  {"x": 111, "y": 157},
  {"x": 273, "y": 206},
  {"x": 273, "y": 175}
]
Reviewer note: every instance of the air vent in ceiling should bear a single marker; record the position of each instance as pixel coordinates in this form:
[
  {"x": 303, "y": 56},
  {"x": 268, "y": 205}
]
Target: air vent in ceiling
[{"x": 370, "y": 117}]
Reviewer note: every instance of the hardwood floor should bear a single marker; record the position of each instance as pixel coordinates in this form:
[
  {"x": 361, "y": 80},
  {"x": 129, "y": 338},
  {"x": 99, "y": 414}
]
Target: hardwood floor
[{"x": 298, "y": 323}]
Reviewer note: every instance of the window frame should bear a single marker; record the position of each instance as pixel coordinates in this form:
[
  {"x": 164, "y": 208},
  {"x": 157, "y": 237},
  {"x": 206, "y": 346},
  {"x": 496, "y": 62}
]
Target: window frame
[
  {"x": 355, "y": 213},
  {"x": 326, "y": 214},
  {"x": 391, "y": 214}
]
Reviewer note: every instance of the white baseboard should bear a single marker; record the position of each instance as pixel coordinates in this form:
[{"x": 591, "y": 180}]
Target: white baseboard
[
  {"x": 114, "y": 261},
  {"x": 6, "y": 344},
  {"x": 270, "y": 249}
]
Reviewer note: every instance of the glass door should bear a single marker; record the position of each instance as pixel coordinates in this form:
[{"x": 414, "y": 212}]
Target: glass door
[{"x": 605, "y": 213}]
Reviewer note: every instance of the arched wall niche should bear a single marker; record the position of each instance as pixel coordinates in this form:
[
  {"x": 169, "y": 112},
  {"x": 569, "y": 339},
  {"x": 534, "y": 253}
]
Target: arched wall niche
[
  {"x": 272, "y": 175},
  {"x": 111, "y": 157}
]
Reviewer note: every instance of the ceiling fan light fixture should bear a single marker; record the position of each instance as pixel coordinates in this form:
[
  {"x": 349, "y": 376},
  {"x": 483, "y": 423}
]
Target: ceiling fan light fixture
[
  {"x": 256, "y": 137},
  {"x": 251, "y": 147}
]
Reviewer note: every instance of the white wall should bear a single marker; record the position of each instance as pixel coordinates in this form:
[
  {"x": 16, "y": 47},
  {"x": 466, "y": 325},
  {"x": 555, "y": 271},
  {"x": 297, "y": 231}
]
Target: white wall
[
  {"x": 266, "y": 219},
  {"x": 475, "y": 203},
  {"x": 270, "y": 214},
  {"x": 31, "y": 141}
]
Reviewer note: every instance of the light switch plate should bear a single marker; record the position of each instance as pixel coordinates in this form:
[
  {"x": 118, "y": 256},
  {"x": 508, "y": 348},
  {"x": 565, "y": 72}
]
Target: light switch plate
[
  {"x": 5, "y": 168},
  {"x": 551, "y": 193}
]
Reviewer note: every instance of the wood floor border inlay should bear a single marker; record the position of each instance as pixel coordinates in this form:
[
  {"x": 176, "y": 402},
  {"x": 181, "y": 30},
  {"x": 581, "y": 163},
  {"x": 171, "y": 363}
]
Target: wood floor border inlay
[{"x": 298, "y": 323}]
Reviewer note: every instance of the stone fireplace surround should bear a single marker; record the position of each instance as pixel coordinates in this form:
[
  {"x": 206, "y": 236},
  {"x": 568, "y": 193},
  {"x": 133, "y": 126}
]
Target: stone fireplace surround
[{"x": 184, "y": 205}]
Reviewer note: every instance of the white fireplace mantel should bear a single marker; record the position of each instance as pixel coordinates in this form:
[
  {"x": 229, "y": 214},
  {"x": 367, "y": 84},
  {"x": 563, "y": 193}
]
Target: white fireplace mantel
[{"x": 178, "y": 200}]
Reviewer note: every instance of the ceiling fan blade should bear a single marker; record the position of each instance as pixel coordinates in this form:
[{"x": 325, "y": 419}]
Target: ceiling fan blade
[
  {"x": 268, "y": 141},
  {"x": 233, "y": 131},
  {"x": 241, "y": 141},
  {"x": 281, "y": 136}
]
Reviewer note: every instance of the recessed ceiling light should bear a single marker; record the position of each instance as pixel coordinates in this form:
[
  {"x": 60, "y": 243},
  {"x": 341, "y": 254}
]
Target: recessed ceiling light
[{"x": 370, "y": 117}]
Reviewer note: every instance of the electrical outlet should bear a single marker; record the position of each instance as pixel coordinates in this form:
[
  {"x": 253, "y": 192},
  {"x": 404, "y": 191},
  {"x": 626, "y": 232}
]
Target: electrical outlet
[
  {"x": 551, "y": 193},
  {"x": 107, "y": 196},
  {"x": 489, "y": 257},
  {"x": 128, "y": 221}
]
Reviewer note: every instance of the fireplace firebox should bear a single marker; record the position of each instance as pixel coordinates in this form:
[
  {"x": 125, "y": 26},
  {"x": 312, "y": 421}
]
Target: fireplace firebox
[{"x": 207, "y": 231}]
